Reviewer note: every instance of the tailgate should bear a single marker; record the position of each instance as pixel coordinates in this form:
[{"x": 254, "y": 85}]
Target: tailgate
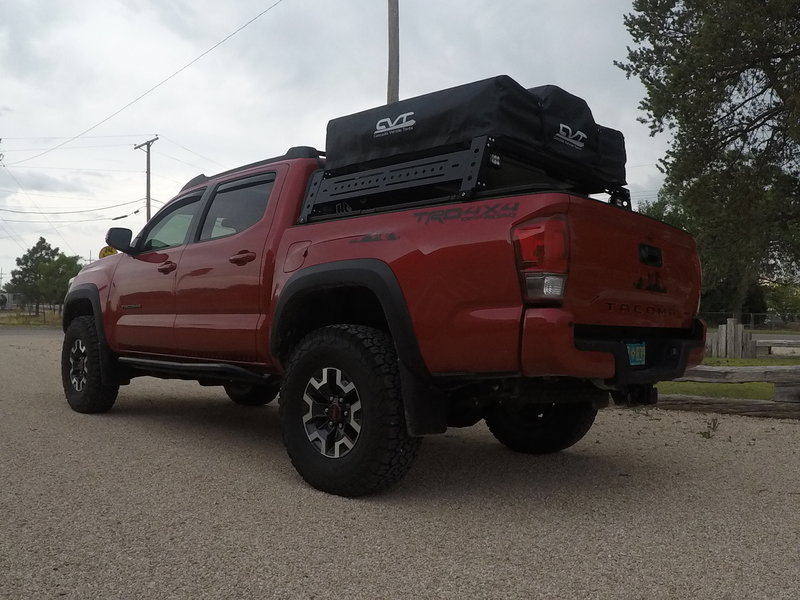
[{"x": 628, "y": 270}]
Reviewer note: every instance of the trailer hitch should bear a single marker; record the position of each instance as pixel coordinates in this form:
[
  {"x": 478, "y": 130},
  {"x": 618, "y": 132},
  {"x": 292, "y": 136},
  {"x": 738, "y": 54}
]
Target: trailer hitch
[{"x": 635, "y": 395}]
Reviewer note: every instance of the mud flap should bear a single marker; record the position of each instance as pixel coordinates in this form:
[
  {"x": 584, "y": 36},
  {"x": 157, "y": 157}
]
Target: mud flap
[{"x": 425, "y": 405}]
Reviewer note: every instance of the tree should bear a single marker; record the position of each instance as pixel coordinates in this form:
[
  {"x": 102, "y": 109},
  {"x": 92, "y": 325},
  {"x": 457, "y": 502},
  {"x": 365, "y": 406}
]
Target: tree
[
  {"x": 56, "y": 275},
  {"x": 43, "y": 274},
  {"x": 723, "y": 76},
  {"x": 745, "y": 236}
]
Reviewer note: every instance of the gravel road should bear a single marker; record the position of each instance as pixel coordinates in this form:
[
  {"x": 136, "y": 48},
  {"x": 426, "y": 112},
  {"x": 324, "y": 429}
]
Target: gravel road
[{"x": 179, "y": 493}]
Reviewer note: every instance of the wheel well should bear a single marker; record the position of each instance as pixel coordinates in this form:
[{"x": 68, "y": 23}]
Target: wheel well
[
  {"x": 354, "y": 305},
  {"x": 77, "y": 308}
]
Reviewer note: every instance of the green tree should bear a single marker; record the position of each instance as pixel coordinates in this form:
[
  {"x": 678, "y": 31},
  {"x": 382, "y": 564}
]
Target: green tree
[
  {"x": 723, "y": 77},
  {"x": 56, "y": 275},
  {"x": 784, "y": 300},
  {"x": 43, "y": 273}
]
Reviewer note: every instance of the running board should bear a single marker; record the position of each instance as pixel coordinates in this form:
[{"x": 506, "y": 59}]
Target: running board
[{"x": 200, "y": 371}]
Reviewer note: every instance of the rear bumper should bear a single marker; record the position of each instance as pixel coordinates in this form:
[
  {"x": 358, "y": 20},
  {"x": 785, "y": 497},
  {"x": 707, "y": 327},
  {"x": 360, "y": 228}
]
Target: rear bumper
[{"x": 552, "y": 345}]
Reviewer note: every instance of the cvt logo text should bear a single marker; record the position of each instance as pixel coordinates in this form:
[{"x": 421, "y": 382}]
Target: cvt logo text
[
  {"x": 388, "y": 126},
  {"x": 571, "y": 139}
]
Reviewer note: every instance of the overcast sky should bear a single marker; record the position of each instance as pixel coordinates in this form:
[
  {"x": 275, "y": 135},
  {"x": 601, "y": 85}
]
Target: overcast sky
[{"x": 66, "y": 65}]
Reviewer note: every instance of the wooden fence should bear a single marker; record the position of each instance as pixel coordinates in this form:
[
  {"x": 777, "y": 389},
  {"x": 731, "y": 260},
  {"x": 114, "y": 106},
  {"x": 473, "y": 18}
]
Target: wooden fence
[
  {"x": 731, "y": 340},
  {"x": 786, "y": 379}
]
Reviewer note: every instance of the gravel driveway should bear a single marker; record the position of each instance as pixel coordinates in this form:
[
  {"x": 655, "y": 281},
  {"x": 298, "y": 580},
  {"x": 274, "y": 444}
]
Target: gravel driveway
[{"x": 179, "y": 493}]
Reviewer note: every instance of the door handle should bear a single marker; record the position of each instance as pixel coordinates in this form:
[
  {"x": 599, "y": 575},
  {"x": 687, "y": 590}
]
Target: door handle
[
  {"x": 242, "y": 258},
  {"x": 167, "y": 267}
]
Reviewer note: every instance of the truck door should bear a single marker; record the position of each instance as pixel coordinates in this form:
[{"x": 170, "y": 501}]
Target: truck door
[
  {"x": 142, "y": 298},
  {"x": 219, "y": 279}
]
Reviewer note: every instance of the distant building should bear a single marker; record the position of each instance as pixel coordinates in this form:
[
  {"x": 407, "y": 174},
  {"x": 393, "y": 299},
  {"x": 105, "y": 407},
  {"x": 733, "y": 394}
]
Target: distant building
[{"x": 13, "y": 300}]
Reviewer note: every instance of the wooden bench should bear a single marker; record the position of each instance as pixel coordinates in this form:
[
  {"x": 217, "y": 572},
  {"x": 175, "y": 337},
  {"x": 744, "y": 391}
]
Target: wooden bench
[
  {"x": 765, "y": 347},
  {"x": 786, "y": 379}
]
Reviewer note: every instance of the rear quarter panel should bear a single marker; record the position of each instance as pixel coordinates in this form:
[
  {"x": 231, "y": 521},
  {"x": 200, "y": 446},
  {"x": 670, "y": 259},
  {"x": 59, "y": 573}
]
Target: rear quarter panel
[{"x": 456, "y": 268}]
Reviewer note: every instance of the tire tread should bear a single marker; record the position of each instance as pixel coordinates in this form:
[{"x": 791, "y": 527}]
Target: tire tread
[
  {"x": 397, "y": 450},
  {"x": 97, "y": 397}
]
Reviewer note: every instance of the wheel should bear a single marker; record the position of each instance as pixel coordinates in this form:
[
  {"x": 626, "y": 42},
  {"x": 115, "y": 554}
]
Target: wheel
[
  {"x": 342, "y": 413},
  {"x": 80, "y": 369},
  {"x": 541, "y": 428},
  {"x": 248, "y": 394}
]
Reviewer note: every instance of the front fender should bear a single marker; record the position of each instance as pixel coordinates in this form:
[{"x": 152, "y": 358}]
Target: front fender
[{"x": 84, "y": 300}]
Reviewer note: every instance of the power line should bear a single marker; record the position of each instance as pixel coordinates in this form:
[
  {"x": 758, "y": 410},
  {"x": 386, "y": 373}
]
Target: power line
[
  {"x": 86, "y": 137},
  {"x": 70, "y": 148},
  {"x": 152, "y": 89},
  {"x": 88, "y": 170},
  {"x": 68, "y": 212},
  {"x": 191, "y": 151},
  {"x": 57, "y": 196},
  {"x": 12, "y": 236},
  {"x": 10, "y": 174},
  {"x": 67, "y": 221}
]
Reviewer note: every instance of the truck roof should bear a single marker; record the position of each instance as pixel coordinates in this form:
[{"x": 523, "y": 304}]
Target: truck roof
[{"x": 291, "y": 153}]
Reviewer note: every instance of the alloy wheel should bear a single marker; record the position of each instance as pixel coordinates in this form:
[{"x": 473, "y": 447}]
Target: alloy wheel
[
  {"x": 332, "y": 419},
  {"x": 77, "y": 365}
]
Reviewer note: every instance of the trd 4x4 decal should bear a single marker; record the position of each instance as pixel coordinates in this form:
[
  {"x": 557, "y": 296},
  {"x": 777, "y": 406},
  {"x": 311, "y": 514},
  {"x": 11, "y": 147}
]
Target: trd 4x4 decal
[
  {"x": 501, "y": 210},
  {"x": 375, "y": 237}
]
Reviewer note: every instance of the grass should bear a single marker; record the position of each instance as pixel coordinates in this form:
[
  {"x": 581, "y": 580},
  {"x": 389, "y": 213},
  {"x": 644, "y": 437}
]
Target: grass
[
  {"x": 764, "y": 361},
  {"x": 711, "y": 428},
  {"x": 20, "y": 319},
  {"x": 750, "y": 391}
]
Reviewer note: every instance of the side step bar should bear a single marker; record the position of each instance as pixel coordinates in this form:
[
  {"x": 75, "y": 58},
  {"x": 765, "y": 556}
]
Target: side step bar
[{"x": 201, "y": 371}]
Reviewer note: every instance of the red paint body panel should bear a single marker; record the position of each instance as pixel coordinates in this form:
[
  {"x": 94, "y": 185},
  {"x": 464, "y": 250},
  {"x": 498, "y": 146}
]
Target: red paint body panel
[
  {"x": 141, "y": 303},
  {"x": 456, "y": 267},
  {"x": 548, "y": 348},
  {"x": 605, "y": 269},
  {"x": 458, "y": 278}
]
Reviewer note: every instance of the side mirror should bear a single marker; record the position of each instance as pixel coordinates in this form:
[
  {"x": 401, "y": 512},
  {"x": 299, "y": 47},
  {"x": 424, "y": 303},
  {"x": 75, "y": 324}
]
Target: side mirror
[{"x": 119, "y": 238}]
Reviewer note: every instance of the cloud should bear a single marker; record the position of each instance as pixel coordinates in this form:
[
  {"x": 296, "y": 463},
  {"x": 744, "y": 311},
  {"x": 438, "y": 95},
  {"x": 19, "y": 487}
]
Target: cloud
[
  {"x": 42, "y": 182},
  {"x": 65, "y": 66}
]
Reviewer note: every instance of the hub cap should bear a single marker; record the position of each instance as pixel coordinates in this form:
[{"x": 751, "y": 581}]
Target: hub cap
[
  {"x": 333, "y": 412},
  {"x": 77, "y": 365}
]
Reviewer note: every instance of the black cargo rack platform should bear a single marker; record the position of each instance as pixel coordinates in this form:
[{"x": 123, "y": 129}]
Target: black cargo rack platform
[{"x": 458, "y": 175}]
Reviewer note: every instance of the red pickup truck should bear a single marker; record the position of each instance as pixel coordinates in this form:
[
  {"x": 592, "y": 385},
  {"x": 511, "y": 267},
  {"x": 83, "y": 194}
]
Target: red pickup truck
[{"x": 392, "y": 297}]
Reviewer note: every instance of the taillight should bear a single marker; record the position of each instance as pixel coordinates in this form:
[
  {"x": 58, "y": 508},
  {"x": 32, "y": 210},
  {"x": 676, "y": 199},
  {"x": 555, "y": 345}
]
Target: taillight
[{"x": 542, "y": 249}]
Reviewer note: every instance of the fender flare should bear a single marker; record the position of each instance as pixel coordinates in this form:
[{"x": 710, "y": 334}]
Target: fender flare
[
  {"x": 89, "y": 292},
  {"x": 425, "y": 405},
  {"x": 372, "y": 274}
]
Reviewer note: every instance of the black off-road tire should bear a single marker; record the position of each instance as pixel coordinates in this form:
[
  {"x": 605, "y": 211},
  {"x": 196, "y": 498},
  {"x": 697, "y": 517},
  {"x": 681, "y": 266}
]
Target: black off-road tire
[
  {"x": 342, "y": 414},
  {"x": 80, "y": 369},
  {"x": 247, "y": 394},
  {"x": 541, "y": 428}
]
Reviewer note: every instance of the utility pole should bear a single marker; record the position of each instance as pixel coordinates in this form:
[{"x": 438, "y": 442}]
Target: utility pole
[
  {"x": 146, "y": 145},
  {"x": 393, "y": 85}
]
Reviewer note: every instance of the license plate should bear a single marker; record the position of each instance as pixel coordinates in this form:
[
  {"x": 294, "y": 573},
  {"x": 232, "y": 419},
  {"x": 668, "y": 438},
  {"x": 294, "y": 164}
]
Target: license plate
[{"x": 636, "y": 354}]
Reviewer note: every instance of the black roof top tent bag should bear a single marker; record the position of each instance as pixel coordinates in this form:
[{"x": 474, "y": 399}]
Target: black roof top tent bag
[{"x": 548, "y": 126}]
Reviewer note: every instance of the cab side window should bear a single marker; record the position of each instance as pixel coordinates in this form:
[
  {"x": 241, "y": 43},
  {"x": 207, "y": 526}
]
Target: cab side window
[
  {"x": 237, "y": 206},
  {"x": 172, "y": 227}
]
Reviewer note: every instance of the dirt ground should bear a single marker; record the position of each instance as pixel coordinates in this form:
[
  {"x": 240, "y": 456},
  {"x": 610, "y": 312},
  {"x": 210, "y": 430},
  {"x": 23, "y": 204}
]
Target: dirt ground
[{"x": 179, "y": 493}]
